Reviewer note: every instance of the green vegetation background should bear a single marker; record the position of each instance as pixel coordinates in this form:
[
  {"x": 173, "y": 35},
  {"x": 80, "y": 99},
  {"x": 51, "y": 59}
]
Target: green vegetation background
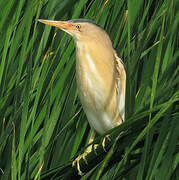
[{"x": 42, "y": 125}]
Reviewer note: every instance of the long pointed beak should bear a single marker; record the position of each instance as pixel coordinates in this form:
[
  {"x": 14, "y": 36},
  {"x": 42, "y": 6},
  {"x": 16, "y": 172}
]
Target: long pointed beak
[{"x": 64, "y": 25}]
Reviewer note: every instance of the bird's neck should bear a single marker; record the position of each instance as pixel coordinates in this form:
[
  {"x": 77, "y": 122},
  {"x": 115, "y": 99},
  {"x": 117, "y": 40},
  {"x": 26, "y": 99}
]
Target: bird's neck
[{"x": 96, "y": 53}]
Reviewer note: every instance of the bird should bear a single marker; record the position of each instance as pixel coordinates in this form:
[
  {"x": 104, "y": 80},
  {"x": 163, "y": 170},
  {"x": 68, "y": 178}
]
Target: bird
[{"x": 100, "y": 76}]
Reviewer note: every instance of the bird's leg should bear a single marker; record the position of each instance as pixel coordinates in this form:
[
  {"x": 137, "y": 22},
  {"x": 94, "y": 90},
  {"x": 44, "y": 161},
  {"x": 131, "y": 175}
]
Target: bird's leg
[
  {"x": 104, "y": 140},
  {"x": 83, "y": 156}
]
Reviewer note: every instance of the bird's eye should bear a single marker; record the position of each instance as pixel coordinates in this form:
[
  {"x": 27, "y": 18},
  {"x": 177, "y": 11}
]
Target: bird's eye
[{"x": 78, "y": 26}]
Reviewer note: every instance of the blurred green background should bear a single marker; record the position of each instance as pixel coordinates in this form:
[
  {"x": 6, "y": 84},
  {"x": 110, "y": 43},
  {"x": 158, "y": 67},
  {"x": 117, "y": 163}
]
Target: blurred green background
[{"x": 42, "y": 124}]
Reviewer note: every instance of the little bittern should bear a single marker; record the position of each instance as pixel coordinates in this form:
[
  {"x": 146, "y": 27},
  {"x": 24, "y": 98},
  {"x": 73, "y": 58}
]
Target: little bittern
[{"x": 100, "y": 73}]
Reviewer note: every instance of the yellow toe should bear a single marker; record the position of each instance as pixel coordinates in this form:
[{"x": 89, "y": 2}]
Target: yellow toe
[
  {"x": 104, "y": 140},
  {"x": 94, "y": 148},
  {"x": 77, "y": 162}
]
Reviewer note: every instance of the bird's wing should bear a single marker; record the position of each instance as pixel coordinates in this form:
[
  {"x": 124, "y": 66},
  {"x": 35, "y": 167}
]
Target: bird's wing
[{"x": 121, "y": 85}]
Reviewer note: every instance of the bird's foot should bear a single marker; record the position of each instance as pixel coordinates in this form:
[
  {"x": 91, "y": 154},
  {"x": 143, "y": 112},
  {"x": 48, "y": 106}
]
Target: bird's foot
[
  {"x": 77, "y": 162},
  {"x": 104, "y": 140}
]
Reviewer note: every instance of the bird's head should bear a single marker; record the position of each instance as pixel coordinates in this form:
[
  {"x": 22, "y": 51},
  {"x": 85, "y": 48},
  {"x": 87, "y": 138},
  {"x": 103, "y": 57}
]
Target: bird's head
[{"x": 79, "y": 29}]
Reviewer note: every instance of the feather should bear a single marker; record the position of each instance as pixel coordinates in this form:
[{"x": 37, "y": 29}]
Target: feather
[{"x": 120, "y": 85}]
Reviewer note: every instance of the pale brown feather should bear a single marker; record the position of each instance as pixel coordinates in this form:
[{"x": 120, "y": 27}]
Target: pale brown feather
[{"x": 107, "y": 85}]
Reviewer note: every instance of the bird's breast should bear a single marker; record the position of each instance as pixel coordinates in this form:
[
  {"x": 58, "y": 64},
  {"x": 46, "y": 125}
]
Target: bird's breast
[
  {"x": 90, "y": 83},
  {"x": 96, "y": 85},
  {"x": 94, "y": 75}
]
